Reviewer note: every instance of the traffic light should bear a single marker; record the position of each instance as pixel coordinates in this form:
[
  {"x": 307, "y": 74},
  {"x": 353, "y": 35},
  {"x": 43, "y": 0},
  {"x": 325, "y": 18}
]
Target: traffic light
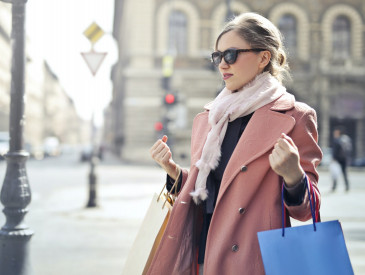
[
  {"x": 158, "y": 126},
  {"x": 170, "y": 99}
]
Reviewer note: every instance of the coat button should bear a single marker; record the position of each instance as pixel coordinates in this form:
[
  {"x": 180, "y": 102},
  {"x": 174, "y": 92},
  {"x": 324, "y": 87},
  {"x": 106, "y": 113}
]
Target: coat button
[
  {"x": 244, "y": 168},
  {"x": 235, "y": 248},
  {"x": 241, "y": 210}
]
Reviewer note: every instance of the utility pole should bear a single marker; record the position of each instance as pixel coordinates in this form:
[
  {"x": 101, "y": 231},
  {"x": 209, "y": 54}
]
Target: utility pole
[
  {"x": 229, "y": 14},
  {"x": 93, "y": 59},
  {"x": 15, "y": 193}
]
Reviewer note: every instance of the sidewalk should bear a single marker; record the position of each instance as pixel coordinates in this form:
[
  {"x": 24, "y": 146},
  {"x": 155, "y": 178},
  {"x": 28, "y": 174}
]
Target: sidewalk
[{"x": 74, "y": 240}]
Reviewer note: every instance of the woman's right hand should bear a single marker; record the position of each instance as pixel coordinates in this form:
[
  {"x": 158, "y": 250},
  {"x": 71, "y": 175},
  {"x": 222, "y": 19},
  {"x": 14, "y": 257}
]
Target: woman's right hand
[{"x": 161, "y": 153}]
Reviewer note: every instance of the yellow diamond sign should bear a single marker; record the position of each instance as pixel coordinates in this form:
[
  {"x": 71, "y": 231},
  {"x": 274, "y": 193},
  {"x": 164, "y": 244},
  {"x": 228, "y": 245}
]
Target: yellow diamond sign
[{"x": 94, "y": 33}]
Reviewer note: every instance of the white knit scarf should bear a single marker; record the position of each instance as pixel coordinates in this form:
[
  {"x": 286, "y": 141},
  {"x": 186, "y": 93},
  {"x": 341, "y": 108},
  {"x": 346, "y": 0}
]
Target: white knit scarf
[{"x": 226, "y": 107}]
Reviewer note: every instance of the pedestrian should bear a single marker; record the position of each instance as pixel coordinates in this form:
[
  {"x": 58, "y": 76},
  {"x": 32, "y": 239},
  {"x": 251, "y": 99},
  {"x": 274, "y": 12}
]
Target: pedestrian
[
  {"x": 250, "y": 142},
  {"x": 341, "y": 151}
]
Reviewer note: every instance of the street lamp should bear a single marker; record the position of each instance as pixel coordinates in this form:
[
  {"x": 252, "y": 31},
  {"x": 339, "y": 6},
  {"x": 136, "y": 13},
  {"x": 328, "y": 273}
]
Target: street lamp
[
  {"x": 15, "y": 193},
  {"x": 229, "y": 14}
]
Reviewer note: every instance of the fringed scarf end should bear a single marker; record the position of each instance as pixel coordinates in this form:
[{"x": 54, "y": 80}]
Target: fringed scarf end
[{"x": 199, "y": 195}]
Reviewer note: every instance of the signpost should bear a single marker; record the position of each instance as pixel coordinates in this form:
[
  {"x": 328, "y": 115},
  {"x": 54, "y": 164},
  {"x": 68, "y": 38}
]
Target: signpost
[{"x": 93, "y": 60}]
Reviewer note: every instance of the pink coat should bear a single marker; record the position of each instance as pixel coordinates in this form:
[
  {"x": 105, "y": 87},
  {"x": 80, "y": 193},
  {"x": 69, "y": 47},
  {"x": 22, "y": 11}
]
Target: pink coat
[{"x": 249, "y": 198}]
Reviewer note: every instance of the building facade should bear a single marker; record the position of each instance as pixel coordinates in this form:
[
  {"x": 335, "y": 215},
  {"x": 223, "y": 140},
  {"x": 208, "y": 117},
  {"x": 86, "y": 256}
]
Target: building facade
[
  {"x": 324, "y": 39},
  {"x": 49, "y": 111}
]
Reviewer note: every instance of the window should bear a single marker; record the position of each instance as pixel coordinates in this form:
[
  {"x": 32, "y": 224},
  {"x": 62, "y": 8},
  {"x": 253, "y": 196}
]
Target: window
[
  {"x": 177, "y": 42},
  {"x": 341, "y": 36},
  {"x": 288, "y": 27}
]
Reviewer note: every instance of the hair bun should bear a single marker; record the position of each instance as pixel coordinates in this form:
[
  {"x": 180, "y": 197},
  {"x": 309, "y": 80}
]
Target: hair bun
[{"x": 281, "y": 59}]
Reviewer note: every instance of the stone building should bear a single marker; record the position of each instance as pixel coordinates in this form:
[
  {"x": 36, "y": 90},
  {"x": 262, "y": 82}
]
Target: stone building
[
  {"x": 60, "y": 117},
  {"x": 49, "y": 111},
  {"x": 324, "y": 39}
]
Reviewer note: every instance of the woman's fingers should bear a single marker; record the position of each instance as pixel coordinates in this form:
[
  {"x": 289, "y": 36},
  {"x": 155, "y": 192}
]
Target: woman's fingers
[
  {"x": 285, "y": 160},
  {"x": 160, "y": 151},
  {"x": 154, "y": 146},
  {"x": 157, "y": 146},
  {"x": 287, "y": 141},
  {"x": 166, "y": 157}
]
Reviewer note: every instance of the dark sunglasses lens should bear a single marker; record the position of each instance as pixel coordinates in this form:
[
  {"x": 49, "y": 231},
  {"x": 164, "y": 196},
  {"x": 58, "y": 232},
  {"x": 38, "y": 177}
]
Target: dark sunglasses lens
[
  {"x": 216, "y": 58},
  {"x": 230, "y": 56}
]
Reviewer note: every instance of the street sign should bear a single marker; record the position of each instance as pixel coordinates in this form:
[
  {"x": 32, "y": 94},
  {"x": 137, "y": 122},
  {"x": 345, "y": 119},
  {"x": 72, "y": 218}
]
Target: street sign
[
  {"x": 93, "y": 60},
  {"x": 94, "y": 33}
]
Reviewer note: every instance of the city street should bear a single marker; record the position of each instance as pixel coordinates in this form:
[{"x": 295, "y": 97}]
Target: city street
[{"x": 71, "y": 239}]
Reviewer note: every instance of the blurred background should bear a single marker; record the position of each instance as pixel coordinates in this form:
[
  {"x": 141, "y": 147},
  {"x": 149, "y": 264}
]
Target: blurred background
[
  {"x": 157, "y": 73},
  {"x": 155, "y": 77}
]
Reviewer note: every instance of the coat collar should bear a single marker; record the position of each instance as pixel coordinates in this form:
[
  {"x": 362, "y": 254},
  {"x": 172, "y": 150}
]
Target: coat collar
[{"x": 283, "y": 103}]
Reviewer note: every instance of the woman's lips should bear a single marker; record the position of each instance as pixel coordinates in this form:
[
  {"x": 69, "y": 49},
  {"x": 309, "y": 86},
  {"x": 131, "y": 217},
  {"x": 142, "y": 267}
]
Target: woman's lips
[{"x": 226, "y": 76}]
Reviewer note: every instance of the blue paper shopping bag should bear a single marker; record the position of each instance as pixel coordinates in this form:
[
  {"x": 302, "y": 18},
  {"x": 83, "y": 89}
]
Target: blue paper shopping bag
[{"x": 314, "y": 249}]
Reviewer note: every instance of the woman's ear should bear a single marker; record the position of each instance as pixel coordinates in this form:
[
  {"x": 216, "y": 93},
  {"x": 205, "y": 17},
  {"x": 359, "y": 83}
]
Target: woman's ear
[{"x": 265, "y": 59}]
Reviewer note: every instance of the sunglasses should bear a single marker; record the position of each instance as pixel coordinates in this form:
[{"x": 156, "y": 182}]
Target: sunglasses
[{"x": 230, "y": 55}]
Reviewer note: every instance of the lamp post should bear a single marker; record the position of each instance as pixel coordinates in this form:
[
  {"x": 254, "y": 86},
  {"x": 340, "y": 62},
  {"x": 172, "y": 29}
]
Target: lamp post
[
  {"x": 229, "y": 14},
  {"x": 15, "y": 193}
]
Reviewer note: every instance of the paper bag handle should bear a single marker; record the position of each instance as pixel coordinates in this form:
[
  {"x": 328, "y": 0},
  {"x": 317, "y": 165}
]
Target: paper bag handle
[
  {"x": 312, "y": 201},
  {"x": 169, "y": 194}
]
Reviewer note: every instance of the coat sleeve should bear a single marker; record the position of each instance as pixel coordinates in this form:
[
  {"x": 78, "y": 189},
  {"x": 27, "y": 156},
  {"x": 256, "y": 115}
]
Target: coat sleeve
[
  {"x": 181, "y": 180},
  {"x": 196, "y": 144},
  {"x": 305, "y": 137}
]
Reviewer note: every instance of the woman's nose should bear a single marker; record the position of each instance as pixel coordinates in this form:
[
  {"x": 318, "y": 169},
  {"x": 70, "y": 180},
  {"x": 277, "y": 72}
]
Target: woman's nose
[{"x": 223, "y": 64}]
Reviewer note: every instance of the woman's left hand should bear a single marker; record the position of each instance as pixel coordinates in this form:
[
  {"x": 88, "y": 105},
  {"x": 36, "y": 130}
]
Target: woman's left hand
[{"x": 285, "y": 160}]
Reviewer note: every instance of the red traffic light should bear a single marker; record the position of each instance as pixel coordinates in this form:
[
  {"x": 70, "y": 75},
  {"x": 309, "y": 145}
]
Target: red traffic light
[
  {"x": 169, "y": 99},
  {"x": 158, "y": 126}
]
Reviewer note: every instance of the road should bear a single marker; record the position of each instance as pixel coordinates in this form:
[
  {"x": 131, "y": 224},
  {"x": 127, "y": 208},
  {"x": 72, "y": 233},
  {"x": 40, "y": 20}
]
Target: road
[{"x": 71, "y": 239}]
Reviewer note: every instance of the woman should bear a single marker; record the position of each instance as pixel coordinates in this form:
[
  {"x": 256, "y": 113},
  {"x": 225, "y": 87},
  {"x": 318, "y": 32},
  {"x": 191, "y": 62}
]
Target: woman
[{"x": 253, "y": 137}]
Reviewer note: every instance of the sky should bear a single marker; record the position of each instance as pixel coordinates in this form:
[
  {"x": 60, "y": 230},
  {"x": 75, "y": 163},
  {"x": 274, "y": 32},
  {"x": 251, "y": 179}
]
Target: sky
[{"x": 55, "y": 29}]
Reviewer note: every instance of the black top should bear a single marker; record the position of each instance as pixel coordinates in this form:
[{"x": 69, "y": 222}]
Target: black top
[
  {"x": 292, "y": 196},
  {"x": 338, "y": 151}
]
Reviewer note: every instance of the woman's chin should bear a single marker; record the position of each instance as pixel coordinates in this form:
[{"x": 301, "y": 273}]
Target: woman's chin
[{"x": 233, "y": 88}]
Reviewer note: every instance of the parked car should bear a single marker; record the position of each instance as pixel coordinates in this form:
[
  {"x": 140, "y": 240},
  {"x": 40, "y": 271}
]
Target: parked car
[
  {"x": 86, "y": 152},
  {"x": 4, "y": 144},
  {"x": 51, "y": 147},
  {"x": 359, "y": 162},
  {"x": 35, "y": 151}
]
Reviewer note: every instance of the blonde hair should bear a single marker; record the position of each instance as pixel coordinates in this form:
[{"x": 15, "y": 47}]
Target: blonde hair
[{"x": 259, "y": 32}]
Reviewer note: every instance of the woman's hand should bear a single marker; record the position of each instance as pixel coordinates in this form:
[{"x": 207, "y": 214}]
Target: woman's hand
[
  {"x": 161, "y": 153},
  {"x": 285, "y": 160}
]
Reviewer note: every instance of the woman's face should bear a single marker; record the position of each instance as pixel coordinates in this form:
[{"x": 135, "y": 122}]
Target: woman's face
[{"x": 247, "y": 65}]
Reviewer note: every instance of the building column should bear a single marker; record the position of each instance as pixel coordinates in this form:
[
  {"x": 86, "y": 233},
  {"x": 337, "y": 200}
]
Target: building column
[
  {"x": 139, "y": 30},
  {"x": 325, "y": 113},
  {"x": 360, "y": 150}
]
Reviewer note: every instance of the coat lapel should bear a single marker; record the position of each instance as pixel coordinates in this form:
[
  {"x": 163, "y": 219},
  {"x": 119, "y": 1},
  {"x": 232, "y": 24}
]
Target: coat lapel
[{"x": 260, "y": 135}]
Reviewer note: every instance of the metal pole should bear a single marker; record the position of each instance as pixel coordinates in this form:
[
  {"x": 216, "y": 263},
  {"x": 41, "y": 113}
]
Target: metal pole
[
  {"x": 229, "y": 14},
  {"x": 92, "y": 201},
  {"x": 15, "y": 193}
]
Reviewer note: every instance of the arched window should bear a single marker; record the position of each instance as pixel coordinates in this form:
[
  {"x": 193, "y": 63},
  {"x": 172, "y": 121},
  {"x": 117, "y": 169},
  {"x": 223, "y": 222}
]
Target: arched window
[
  {"x": 341, "y": 37},
  {"x": 288, "y": 27},
  {"x": 177, "y": 42}
]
